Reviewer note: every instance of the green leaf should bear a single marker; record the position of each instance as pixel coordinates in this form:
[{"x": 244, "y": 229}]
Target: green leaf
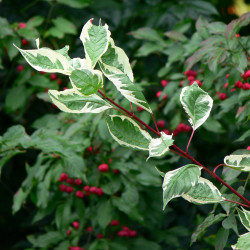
[
  {"x": 72, "y": 101},
  {"x": 127, "y": 132},
  {"x": 87, "y": 81},
  {"x": 197, "y": 104},
  {"x": 175, "y": 35},
  {"x": 230, "y": 223},
  {"x": 148, "y": 48},
  {"x": 239, "y": 60},
  {"x": 131, "y": 195},
  {"x": 64, "y": 25},
  {"x": 5, "y": 28},
  {"x": 95, "y": 40},
  {"x": 35, "y": 21},
  {"x": 116, "y": 67},
  {"x": 243, "y": 242},
  {"x": 104, "y": 213},
  {"x": 179, "y": 181},
  {"x": 204, "y": 192},
  {"x": 47, "y": 60},
  {"x": 214, "y": 126},
  {"x": 141, "y": 243},
  {"x": 28, "y": 33},
  {"x": 18, "y": 200},
  {"x": 217, "y": 27},
  {"x": 79, "y": 4},
  {"x": 210, "y": 220},
  {"x": 244, "y": 217},
  {"x": 160, "y": 146},
  {"x": 221, "y": 239},
  {"x": 239, "y": 160},
  {"x": 63, "y": 216}
]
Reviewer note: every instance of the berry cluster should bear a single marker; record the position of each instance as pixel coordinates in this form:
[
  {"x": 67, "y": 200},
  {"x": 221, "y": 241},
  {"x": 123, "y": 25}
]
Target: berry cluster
[
  {"x": 93, "y": 190},
  {"x": 181, "y": 128},
  {"x": 126, "y": 232},
  {"x": 191, "y": 75}
]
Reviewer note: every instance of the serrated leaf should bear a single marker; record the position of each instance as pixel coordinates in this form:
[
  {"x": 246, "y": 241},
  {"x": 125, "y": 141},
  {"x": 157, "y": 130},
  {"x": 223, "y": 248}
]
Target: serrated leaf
[
  {"x": 243, "y": 242},
  {"x": 210, "y": 220},
  {"x": 179, "y": 181},
  {"x": 72, "y": 101},
  {"x": 239, "y": 160},
  {"x": 115, "y": 66},
  {"x": 160, "y": 146},
  {"x": 197, "y": 104},
  {"x": 204, "y": 192},
  {"x": 86, "y": 81},
  {"x": 95, "y": 40},
  {"x": 47, "y": 60},
  {"x": 127, "y": 132},
  {"x": 244, "y": 217}
]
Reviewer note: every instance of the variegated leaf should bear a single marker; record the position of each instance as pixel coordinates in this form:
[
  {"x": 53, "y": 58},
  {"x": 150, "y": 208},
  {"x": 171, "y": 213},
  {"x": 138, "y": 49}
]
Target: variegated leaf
[
  {"x": 86, "y": 81},
  {"x": 47, "y": 60},
  {"x": 78, "y": 63},
  {"x": 127, "y": 132},
  {"x": 239, "y": 159},
  {"x": 116, "y": 67},
  {"x": 179, "y": 181},
  {"x": 95, "y": 40},
  {"x": 244, "y": 217},
  {"x": 159, "y": 146},
  {"x": 243, "y": 242},
  {"x": 72, "y": 101},
  {"x": 203, "y": 192},
  {"x": 197, "y": 104}
]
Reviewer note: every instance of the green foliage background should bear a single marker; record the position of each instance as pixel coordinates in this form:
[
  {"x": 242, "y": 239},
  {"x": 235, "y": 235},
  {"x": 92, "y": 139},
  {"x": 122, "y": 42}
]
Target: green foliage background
[{"x": 41, "y": 143}]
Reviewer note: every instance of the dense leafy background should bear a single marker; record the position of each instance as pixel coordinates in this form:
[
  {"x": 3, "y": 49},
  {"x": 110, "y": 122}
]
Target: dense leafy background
[{"x": 159, "y": 37}]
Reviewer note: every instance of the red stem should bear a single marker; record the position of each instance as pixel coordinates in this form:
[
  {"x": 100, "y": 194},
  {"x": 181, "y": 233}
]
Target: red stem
[
  {"x": 190, "y": 139},
  {"x": 218, "y": 167},
  {"x": 236, "y": 202},
  {"x": 178, "y": 149},
  {"x": 155, "y": 122}
]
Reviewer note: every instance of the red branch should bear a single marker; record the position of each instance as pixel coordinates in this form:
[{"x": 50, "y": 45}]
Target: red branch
[{"x": 181, "y": 152}]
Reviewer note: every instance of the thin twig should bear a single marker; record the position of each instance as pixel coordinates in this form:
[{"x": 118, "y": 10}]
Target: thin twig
[
  {"x": 244, "y": 205},
  {"x": 218, "y": 167},
  {"x": 155, "y": 123},
  {"x": 190, "y": 139}
]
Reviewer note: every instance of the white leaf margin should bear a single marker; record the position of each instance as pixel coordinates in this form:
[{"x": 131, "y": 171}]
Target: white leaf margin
[
  {"x": 88, "y": 108},
  {"x": 205, "y": 98},
  {"x": 213, "y": 189},
  {"x": 143, "y": 132},
  {"x": 246, "y": 214}
]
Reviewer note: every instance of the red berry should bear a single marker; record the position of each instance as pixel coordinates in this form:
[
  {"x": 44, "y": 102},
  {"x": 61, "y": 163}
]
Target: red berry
[
  {"x": 21, "y": 25},
  {"x": 53, "y": 76},
  {"x": 25, "y": 42},
  {"x": 161, "y": 124},
  {"x": 246, "y": 86},
  {"x": 123, "y": 233},
  {"x": 62, "y": 187},
  {"x": 20, "y": 68},
  {"x": 110, "y": 160},
  {"x": 89, "y": 229},
  {"x": 69, "y": 189},
  {"x": 222, "y": 96},
  {"x": 68, "y": 232},
  {"x": 199, "y": 83},
  {"x": 42, "y": 72},
  {"x": 93, "y": 190},
  {"x": 164, "y": 82},
  {"x": 86, "y": 188},
  {"x": 70, "y": 181},
  {"x": 132, "y": 233},
  {"x": 76, "y": 224},
  {"x": 139, "y": 108},
  {"x": 166, "y": 131},
  {"x": 59, "y": 81},
  {"x": 78, "y": 182},
  {"x": 65, "y": 88},
  {"x": 114, "y": 223},
  {"x": 187, "y": 128},
  {"x": 190, "y": 73},
  {"x": 158, "y": 94},
  {"x": 63, "y": 177},
  {"x": 99, "y": 236},
  {"x": 227, "y": 75},
  {"x": 232, "y": 90},
  {"x": 238, "y": 84},
  {"x": 247, "y": 74},
  {"x": 79, "y": 194},
  {"x": 181, "y": 83},
  {"x": 89, "y": 149},
  {"x": 226, "y": 85},
  {"x": 248, "y": 148},
  {"x": 99, "y": 191},
  {"x": 116, "y": 171},
  {"x": 176, "y": 132},
  {"x": 103, "y": 167},
  {"x": 126, "y": 228},
  {"x": 191, "y": 78}
]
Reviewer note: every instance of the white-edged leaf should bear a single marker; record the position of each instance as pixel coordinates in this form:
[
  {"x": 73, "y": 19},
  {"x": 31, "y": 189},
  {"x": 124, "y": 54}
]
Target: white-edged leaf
[
  {"x": 243, "y": 242},
  {"x": 47, "y": 60},
  {"x": 86, "y": 81},
  {"x": 179, "y": 181},
  {"x": 244, "y": 217},
  {"x": 197, "y": 104},
  {"x": 116, "y": 67},
  {"x": 79, "y": 63},
  {"x": 72, "y": 101},
  {"x": 127, "y": 132},
  {"x": 160, "y": 146},
  {"x": 204, "y": 192},
  {"x": 95, "y": 40},
  {"x": 239, "y": 160}
]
